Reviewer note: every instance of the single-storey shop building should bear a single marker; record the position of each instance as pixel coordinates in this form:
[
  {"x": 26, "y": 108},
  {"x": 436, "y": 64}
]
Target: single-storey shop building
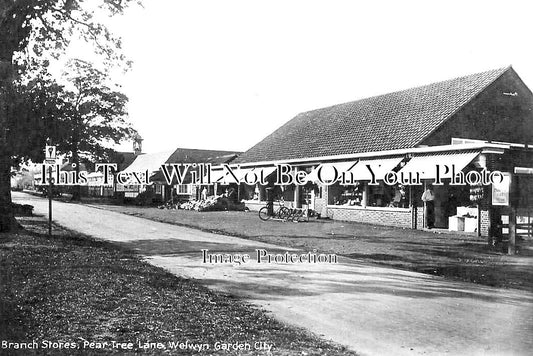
[{"x": 478, "y": 122}]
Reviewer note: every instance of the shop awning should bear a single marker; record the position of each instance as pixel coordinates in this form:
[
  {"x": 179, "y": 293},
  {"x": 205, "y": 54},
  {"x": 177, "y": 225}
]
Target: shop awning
[
  {"x": 379, "y": 167},
  {"x": 327, "y": 170},
  {"x": 216, "y": 176},
  {"x": 222, "y": 176},
  {"x": 426, "y": 164},
  {"x": 265, "y": 171}
]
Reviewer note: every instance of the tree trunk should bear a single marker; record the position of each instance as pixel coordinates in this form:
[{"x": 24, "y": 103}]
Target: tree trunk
[{"x": 7, "y": 219}]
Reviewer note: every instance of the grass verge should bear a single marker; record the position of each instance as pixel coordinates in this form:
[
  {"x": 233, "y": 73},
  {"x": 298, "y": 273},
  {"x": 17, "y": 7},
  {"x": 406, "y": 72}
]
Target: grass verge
[
  {"x": 453, "y": 256},
  {"x": 73, "y": 290}
]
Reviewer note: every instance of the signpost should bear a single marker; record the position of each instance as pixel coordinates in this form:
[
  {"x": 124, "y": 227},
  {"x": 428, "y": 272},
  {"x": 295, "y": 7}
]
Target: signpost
[
  {"x": 504, "y": 194},
  {"x": 50, "y": 158},
  {"x": 50, "y": 201}
]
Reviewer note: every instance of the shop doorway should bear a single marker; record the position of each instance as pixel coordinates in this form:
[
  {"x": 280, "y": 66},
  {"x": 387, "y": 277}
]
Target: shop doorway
[{"x": 447, "y": 199}]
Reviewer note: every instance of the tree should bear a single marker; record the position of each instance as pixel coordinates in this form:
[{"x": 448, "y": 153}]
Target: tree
[
  {"x": 91, "y": 114},
  {"x": 29, "y": 29}
]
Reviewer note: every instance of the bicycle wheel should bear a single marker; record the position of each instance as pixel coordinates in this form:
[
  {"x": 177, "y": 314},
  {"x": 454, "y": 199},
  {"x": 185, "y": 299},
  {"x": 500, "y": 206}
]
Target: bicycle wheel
[
  {"x": 263, "y": 214},
  {"x": 284, "y": 213}
]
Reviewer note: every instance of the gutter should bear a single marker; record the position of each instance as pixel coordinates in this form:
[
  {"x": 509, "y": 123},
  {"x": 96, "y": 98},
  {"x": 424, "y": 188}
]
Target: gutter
[{"x": 497, "y": 148}]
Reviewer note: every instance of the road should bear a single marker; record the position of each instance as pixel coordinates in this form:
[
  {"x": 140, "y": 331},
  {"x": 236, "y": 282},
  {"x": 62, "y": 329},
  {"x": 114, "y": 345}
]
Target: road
[{"x": 371, "y": 310}]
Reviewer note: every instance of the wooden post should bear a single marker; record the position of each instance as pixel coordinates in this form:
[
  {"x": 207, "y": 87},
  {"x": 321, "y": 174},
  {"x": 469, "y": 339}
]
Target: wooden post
[
  {"x": 511, "y": 250},
  {"x": 424, "y": 212},
  {"x": 413, "y": 208},
  {"x": 50, "y": 202},
  {"x": 529, "y": 227},
  {"x": 364, "y": 201},
  {"x": 296, "y": 196},
  {"x": 478, "y": 219}
]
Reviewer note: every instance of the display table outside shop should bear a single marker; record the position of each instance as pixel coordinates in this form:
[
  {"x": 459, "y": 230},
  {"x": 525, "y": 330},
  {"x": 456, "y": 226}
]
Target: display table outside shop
[
  {"x": 465, "y": 220},
  {"x": 456, "y": 223}
]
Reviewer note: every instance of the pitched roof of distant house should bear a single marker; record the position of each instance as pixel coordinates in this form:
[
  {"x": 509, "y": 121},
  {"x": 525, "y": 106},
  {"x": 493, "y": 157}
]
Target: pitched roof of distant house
[
  {"x": 123, "y": 159},
  {"x": 391, "y": 121},
  {"x": 149, "y": 161},
  {"x": 189, "y": 155}
]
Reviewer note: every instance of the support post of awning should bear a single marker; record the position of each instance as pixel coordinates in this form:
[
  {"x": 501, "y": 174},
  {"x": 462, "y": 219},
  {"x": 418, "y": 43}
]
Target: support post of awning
[
  {"x": 364, "y": 201},
  {"x": 511, "y": 248},
  {"x": 296, "y": 196}
]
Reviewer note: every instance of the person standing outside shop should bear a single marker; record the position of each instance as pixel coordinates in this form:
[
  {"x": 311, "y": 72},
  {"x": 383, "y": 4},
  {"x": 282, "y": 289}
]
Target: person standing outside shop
[{"x": 429, "y": 206}]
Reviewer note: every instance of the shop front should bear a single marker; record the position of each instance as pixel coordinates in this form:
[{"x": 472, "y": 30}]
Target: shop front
[{"x": 384, "y": 188}]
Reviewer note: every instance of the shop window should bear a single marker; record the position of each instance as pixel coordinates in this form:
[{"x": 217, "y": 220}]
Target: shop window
[
  {"x": 249, "y": 192},
  {"x": 351, "y": 195},
  {"x": 183, "y": 189},
  {"x": 288, "y": 192},
  {"x": 401, "y": 196},
  {"x": 383, "y": 195}
]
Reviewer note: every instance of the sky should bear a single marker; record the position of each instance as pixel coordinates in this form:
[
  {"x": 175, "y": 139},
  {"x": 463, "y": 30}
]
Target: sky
[{"x": 224, "y": 74}]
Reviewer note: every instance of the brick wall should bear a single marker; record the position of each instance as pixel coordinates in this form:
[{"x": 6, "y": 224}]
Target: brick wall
[
  {"x": 484, "y": 214},
  {"x": 320, "y": 206},
  {"x": 398, "y": 218},
  {"x": 420, "y": 218},
  {"x": 325, "y": 198},
  {"x": 485, "y": 222},
  {"x": 321, "y": 201}
]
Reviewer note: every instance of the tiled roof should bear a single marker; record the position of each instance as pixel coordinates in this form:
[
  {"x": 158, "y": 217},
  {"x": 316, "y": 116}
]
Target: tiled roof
[
  {"x": 188, "y": 155},
  {"x": 391, "y": 121},
  {"x": 123, "y": 159}
]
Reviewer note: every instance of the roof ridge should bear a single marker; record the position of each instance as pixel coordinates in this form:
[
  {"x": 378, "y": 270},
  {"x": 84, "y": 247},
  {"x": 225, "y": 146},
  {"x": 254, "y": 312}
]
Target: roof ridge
[
  {"x": 393, "y": 120},
  {"x": 201, "y": 149},
  {"x": 502, "y": 69}
]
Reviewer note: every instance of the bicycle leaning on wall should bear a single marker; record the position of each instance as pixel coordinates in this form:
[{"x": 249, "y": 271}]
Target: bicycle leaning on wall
[{"x": 267, "y": 212}]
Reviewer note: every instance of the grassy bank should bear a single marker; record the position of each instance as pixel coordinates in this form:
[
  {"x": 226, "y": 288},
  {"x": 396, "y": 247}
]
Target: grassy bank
[
  {"x": 453, "y": 256},
  {"x": 74, "y": 290}
]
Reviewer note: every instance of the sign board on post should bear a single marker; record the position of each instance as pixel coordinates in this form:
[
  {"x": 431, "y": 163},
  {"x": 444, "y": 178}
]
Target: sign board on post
[
  {"x": 50, "y": 153},
  {"x": 50, "y": 183},
  {"x": 500, "y": 191},
  {"x": 50, "y": 159}
]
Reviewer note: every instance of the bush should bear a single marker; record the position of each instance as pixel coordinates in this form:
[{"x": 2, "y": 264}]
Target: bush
[{"x": 145, "y": 198}]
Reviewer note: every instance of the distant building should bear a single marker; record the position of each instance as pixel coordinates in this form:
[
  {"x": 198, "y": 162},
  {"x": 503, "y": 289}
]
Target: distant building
[
  {"x": 187, "y": 190},
  {"x": 149, "y": 162},
  {"x": 96, "y": 186}
]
